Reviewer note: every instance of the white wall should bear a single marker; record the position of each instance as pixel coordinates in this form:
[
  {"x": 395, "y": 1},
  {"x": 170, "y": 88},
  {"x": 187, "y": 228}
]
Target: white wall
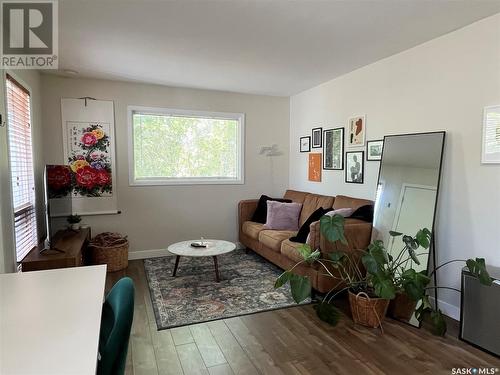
[
  {"x": 440, "y": 85},
  {"x": 155, "y": 216},
  {"x": 31, "y": 80}
]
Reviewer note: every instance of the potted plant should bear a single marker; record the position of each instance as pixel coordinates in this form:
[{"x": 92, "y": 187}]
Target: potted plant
[
  {"x": 406, "y": 279},
  {"x": 412, "y": 286},
  {"x": 369, "y": 292},
  {"x": 74, "y": 221},
  {"x": 388, "y": 279}
]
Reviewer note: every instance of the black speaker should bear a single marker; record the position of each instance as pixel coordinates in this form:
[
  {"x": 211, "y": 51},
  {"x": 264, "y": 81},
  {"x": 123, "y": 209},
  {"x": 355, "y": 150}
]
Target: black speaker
[{"x": 480, "y": 311}]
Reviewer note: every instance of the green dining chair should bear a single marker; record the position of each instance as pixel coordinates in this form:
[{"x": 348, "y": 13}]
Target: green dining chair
[{"x": 116, "y": 322}]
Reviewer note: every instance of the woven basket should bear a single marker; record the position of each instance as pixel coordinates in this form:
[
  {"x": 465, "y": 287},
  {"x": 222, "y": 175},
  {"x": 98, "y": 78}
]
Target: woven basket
[
  {"x": 110, "y": 249},
  {"x": 367, "y": 311}
]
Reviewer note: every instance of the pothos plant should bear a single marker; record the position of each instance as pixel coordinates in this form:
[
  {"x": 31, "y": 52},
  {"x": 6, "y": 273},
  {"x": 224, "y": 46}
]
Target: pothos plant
[{"x": 385, "y": 274}]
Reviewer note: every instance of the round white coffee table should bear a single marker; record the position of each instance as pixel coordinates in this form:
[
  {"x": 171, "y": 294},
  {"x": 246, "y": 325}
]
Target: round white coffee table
[{"x": 214, "y": 248}]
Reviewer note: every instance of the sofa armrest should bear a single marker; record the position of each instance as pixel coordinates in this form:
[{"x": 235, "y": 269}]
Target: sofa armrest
[
  {"x": 314, "y": 235},
  {"x": 358, "y": 237},
  {"x": 246, "y": 208}
]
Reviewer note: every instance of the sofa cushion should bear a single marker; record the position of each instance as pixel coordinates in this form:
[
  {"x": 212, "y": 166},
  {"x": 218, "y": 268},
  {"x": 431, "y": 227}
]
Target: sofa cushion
[
  {"x": 311, "y": 203},
  {"x": 344, "y": 212},
  {"x": 273, "y": 238},
  {"x": 252, "y": 229},
  {"x": 260, "y": 214},
  {"x": 283, "y": 216},
  {"x": 289, "y": 249},
  {"x": 342, "y": 201},
  {"x": 364, "y": 213},
  {"x": 304, "y": 230},
  {"x": 295, "y": 196}
]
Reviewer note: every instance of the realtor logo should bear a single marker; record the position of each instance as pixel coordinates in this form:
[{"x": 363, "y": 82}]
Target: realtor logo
[{"x": 29, "y": 34}]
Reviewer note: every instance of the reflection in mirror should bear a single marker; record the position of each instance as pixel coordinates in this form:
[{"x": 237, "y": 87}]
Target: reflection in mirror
[{"x": 406, "y": 199}]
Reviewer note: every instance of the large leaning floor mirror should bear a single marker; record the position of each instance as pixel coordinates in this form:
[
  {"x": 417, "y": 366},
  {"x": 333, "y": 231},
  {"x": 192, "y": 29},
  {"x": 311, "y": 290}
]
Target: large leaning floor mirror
[{"x": 406, "y": 200}]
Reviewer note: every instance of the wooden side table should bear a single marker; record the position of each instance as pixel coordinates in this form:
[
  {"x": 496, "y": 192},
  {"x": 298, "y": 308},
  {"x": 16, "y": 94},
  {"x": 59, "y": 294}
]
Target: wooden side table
[{"x": 73, "y": 243}]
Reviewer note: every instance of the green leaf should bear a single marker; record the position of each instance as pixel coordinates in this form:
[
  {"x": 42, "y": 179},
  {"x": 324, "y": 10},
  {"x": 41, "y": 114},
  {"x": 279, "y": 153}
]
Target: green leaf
[
  {"x": 307, "y": 254},
  {"x": 304, "y": 250},
  {"x": 327, "y": 313},
  {"x": 301, "y": 287},
  {"x": 423, "y": 238},
  {"x": 315, "y": 255},
  {"x": 337, "y": 256},
  {"x": 332, "y": 227},
  {"x": 282, "y": 279},
  {"x": 478, "y": 268},
  {"x": 395, "y": 234},
  {"x": 424, "y": 309},
  {"x": 438, "y": 323},
  {"x": 410, "y": 242},
  {"x": 414, "y": 283},
  {"x": 413, "y": 255},
  {"x": 384, "y": 285},
  {"x": 377, "y": 250},
  {"x": 370, "y": 264}
]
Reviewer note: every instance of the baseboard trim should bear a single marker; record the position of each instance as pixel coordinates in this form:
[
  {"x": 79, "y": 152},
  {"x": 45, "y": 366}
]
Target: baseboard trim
[
  {"x": 447, "y": 308},
  {"x": 144, "y": 254}
]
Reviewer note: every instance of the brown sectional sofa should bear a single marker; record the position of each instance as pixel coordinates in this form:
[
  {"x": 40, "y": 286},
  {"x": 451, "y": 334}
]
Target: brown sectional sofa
[{"x": 276, "y": 247}]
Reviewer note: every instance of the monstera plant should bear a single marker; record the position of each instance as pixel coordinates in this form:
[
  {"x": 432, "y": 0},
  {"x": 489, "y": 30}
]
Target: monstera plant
[{"x": 384, "y": 275}]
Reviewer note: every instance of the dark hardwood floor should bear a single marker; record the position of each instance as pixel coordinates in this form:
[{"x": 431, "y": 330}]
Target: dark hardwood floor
[{"x": 287, "y": 341}]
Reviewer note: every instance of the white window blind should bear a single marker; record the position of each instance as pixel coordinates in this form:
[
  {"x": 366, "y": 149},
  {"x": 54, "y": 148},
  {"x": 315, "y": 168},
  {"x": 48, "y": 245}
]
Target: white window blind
[{"x": 21, "y": 167}]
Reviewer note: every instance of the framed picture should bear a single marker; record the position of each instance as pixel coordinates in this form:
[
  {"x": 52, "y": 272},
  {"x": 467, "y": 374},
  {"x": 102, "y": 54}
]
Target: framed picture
[
  {"x": 333, "y": 149},
  {"x": 374, "y": 150},
  {"x": 314, "y": 172},
  {"x": 305, "y": 144},
  {"x": 354, "y": 170},
  {"x": 316, "y": 137},
  {"x": 356, "y": 131},
  {"x": 491, "y": 135}
]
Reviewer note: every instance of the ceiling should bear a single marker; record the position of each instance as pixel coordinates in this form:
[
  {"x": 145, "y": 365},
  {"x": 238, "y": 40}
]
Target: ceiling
[{"x": 264, "y": 47}]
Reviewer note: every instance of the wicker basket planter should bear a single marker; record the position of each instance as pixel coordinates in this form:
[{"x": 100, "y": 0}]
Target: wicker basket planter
[
  {"x": 110, "y": 249},
  {"x": 367, "y": 311}
]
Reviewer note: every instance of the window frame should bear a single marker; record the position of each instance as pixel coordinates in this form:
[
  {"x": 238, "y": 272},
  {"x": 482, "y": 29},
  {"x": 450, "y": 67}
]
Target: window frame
[
  {"x": 161, "y": 181},
  {"x": 24, "y": 86}
]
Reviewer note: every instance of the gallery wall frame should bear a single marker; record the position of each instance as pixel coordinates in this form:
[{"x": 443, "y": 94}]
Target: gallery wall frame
[
  {"x": 374, "y": 150},
  {"x": 305, "y": 144},
  {"x": 314, "y": 171},
  {"x": 356, "y": 131},
  {"x": 490, "y": 151},
  {"x": 355, "y": 167},
  {"x": 333, "y": 149},
  {"x": 317, "y": 137}
]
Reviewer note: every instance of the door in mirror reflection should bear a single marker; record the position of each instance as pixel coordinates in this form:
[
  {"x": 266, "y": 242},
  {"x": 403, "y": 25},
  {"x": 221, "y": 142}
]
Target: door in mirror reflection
[{"x": 407, "y": 193}]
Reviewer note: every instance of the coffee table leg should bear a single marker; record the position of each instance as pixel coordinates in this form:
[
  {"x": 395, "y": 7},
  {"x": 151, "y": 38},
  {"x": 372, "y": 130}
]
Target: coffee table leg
[
  {"x": 177, "y": 258},
  {"x": 217, "y": 278}
]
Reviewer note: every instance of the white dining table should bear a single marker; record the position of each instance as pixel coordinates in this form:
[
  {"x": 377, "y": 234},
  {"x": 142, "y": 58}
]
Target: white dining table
[{"x": 50, "y": 321}]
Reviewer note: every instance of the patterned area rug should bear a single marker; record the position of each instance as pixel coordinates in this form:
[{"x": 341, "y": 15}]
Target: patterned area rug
[{"x": 193, "y": 296}]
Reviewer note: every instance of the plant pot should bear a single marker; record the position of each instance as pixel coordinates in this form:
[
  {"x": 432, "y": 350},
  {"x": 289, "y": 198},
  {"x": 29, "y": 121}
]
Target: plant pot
[
  {"x": 367, "y": 311},
  {"x": 75, "y": 226},
  {"x": 402, "y": 307}
]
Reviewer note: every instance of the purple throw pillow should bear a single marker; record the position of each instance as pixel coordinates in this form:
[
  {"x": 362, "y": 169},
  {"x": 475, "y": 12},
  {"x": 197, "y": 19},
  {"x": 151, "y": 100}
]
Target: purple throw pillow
[{"x": 282, "y": 216}]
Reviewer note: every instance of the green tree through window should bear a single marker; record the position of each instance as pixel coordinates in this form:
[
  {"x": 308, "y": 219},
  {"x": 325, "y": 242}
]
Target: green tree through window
[{"x": 185, "y": 147}]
